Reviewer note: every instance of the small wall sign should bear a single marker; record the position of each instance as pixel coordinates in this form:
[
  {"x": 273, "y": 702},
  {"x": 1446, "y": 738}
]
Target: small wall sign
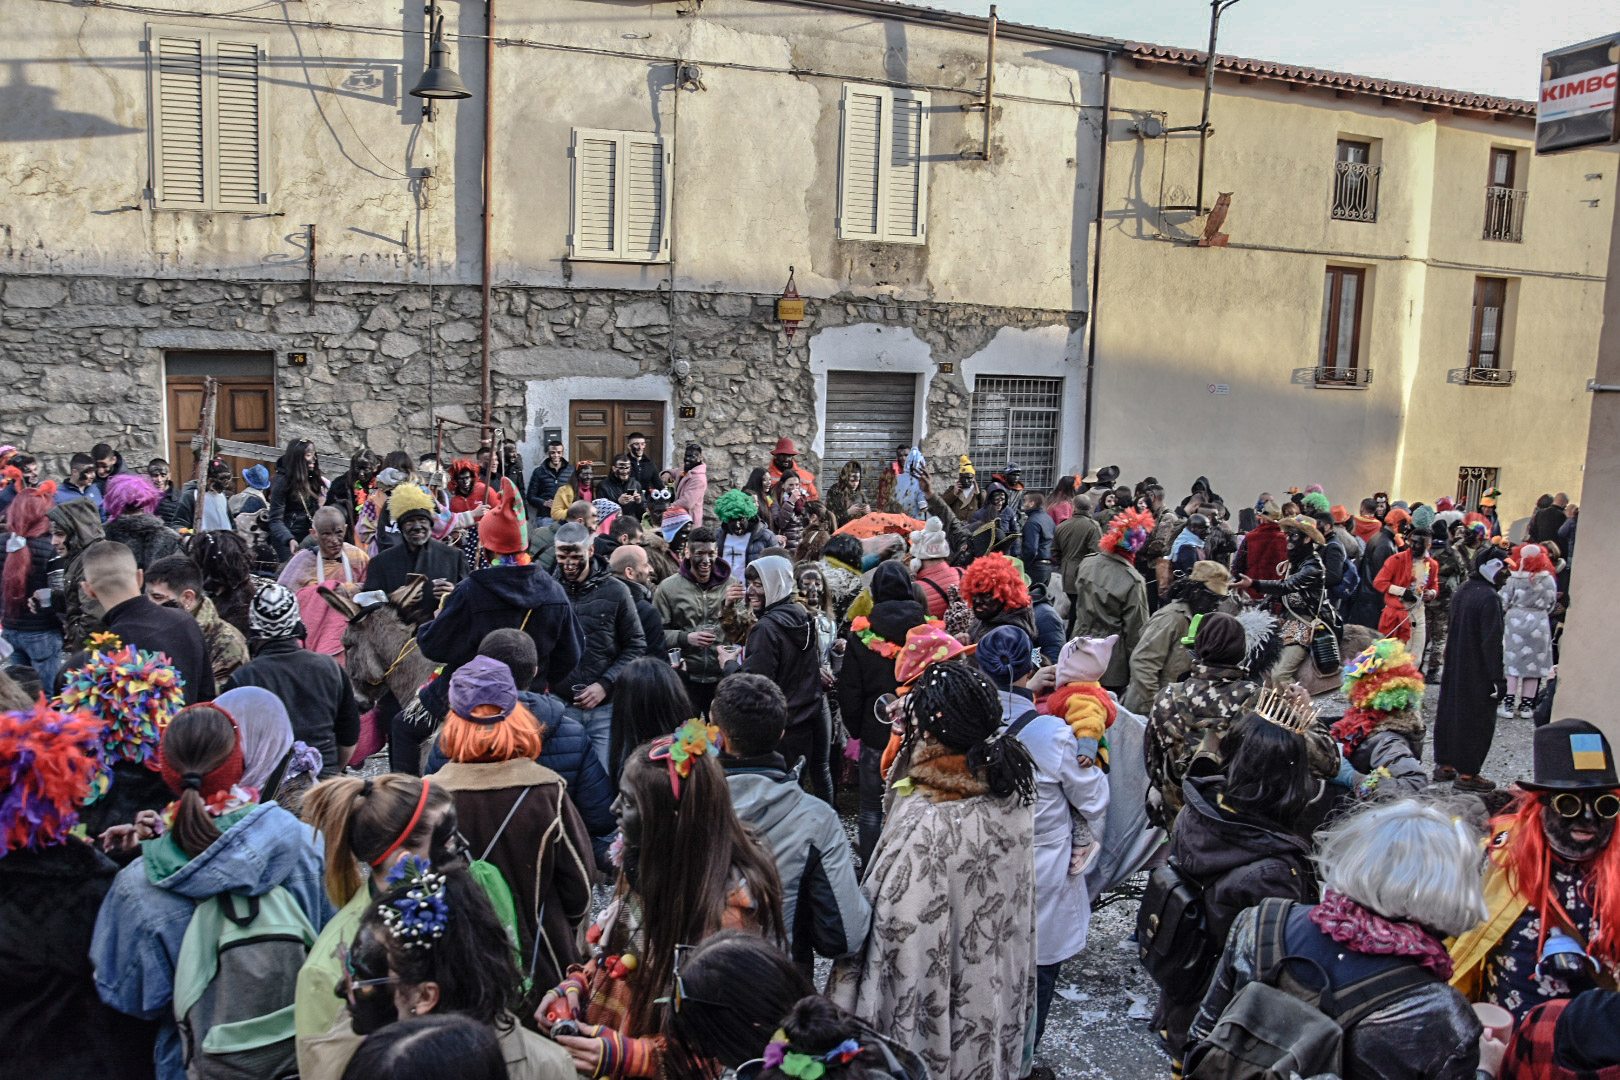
[
  {"x": 688, "y": 412},
  {"x": 298, "y": 359},
  {"x": 1220, "y": 388}
]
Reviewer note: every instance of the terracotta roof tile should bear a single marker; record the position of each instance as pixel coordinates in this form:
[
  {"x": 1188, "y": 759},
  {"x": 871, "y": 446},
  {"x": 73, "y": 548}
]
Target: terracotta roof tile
[{"x": 1339, "y": 80}]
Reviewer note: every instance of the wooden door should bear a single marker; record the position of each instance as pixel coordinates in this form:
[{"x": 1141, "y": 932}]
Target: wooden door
[
  {"x": 599, "y": 430},
  {"x": 246, "y": 412}
]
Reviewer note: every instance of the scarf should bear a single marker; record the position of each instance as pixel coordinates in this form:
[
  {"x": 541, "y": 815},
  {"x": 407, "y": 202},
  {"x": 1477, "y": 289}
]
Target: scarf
[{"x": 1370, "y": 934}]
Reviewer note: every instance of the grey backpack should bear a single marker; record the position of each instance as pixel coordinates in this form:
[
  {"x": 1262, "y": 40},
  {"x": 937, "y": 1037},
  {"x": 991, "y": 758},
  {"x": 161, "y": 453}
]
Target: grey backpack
[
  {"x": 1276, "y": 1027},
  {"x": 234, "y": 986}
]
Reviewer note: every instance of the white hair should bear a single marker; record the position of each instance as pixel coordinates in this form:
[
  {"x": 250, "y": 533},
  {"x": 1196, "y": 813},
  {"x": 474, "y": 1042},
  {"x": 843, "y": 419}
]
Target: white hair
[{"x": 1408, "y": 860}]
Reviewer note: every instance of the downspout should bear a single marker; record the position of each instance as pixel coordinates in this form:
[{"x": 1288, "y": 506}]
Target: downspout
[
  {"x": 1096, "y": 259},
  {"x": 489, "y": 211}
]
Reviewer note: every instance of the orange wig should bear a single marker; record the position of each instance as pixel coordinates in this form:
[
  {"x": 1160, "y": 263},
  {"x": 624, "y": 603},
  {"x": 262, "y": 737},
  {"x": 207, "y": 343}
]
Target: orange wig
[
  {"x": 997, "y": 576},
  {"x": 468, "y": 741},
  {"x": 1520, "y": 849}
]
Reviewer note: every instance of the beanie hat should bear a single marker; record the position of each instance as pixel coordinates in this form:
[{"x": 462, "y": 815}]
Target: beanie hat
[
  {"x": 1397, "y": 517},
  {"x": 48, "y": 761},
  {"x": 1004, "y": 655},
  {"x": 409, "y": 500},
  {"x": 1423, "y": 518},
  {"x": 675, "y": 519},
  {"x": 481, "y": 684},
  {"x": 605, "y": 509},
  {"x": 1085, "y": 659},
  {"x": 1220, "y": 640},
  {"x": 258, "y": 477},
  {"x": 965, "y": 468},
  {"x": 735, "y": 505},
  {"x": 504, "y": 530},
  {"x": 274, "y": 613},
  {"x": 930, "y": 542}
]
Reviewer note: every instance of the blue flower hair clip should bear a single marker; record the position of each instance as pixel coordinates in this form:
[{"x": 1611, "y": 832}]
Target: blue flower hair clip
[{"x": 418, "y": 918}]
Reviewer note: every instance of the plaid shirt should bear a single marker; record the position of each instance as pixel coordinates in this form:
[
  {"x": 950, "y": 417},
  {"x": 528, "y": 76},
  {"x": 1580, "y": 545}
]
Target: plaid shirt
[{"x": 1530, "y": 1053}]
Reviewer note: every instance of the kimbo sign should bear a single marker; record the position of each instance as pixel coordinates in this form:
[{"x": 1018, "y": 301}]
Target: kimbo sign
[{"x": 1580, "y": 86}]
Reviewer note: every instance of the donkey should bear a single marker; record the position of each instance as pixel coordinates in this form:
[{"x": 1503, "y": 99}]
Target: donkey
[{"x": 379, "y": 644}]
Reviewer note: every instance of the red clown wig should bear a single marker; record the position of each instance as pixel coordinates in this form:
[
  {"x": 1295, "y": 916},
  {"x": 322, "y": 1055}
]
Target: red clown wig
[
  {"x": 1532, "y": 559},
  {"x": 996, "y": 576},
  {"x": 1519, "y": 848},
  {"x": 24, "y": 518}
]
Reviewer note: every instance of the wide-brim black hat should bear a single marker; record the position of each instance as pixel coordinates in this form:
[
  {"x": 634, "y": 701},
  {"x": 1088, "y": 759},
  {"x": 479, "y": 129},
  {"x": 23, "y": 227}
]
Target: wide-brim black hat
[{"x": 1572, "y": 755}]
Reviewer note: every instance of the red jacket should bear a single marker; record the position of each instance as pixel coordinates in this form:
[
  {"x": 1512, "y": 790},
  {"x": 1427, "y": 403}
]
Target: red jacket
[
  {"x": 1265, "y": 548},
  {"x": 1398, "y": 574}
]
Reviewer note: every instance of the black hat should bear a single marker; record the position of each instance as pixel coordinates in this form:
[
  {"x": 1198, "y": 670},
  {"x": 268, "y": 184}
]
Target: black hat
[{"x": 1572, "y": 755}]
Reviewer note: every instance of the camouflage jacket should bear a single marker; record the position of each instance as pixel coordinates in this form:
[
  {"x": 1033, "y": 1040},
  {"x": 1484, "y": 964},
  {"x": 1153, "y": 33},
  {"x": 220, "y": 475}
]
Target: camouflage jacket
[
  {"x": 1188, "y": 719},
  {"x": 227, "y": 648}
]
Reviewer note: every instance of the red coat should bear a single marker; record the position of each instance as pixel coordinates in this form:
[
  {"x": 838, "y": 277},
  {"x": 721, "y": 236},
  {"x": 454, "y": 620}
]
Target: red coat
[
  {"x": 1398, "y": 574},
  {"x": 462, "y": 503},
  {"x": 1265, "y": 548}
]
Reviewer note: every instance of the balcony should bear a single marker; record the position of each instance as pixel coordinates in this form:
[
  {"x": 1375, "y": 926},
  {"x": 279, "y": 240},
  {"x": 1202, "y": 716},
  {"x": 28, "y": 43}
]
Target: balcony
[
  {"x": 1489, "y": 376},
  {"x": 1504, "y": 214},
  {"x": 1350, "y": 378},
  {"x": 1355, "y": 191}
]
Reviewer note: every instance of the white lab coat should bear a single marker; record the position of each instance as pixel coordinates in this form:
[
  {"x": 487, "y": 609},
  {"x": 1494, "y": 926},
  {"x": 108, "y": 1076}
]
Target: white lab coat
[{"x": 1062, "y": 901}]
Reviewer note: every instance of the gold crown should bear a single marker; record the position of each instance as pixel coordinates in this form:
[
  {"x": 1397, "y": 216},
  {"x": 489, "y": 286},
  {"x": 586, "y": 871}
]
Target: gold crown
[{"x": 1275, "y": 706}]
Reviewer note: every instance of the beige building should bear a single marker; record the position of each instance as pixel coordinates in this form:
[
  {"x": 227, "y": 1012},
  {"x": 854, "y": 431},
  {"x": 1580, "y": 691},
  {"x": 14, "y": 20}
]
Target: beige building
[{"x": 1401, "y": 297}]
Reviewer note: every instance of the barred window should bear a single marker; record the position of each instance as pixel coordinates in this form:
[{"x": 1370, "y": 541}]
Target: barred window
[{"x": 1016, "y": 419}]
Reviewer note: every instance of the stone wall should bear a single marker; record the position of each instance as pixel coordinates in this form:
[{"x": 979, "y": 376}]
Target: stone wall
[{"x": 82, "y": 359}]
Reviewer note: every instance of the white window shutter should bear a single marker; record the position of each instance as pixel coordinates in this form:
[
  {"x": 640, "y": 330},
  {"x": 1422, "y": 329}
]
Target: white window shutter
[
  {"x": 596, "y": 184},
  {"x": 906, "y": 203},
  {"x": 238, "y": 127},
  {"x": 645, "y": 205},
  {"x": 861, "y": 159},
  {"x": 178, "y": 150}
]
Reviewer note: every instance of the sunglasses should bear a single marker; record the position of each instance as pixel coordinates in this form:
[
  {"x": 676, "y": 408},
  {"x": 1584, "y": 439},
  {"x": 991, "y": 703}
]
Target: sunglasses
[
  {"x": 1570, "y": 805},
  {"x": 681, "y": 996}
]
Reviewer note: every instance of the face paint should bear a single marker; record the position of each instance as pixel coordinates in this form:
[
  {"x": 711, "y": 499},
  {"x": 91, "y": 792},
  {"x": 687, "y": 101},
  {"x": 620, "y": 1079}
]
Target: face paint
[
  {"x": 986, "y": 607},
  {"x": 1581, "y": 836}
]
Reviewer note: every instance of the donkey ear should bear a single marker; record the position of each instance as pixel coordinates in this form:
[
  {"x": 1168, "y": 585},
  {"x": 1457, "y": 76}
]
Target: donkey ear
[
  {"x": 340, "y": 603},
  {"x": 408, "y": 595}
]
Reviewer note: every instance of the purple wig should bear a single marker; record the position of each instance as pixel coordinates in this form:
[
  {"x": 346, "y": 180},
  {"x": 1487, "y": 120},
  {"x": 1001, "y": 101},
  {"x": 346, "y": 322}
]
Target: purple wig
[{"x": 130, "y": 493}]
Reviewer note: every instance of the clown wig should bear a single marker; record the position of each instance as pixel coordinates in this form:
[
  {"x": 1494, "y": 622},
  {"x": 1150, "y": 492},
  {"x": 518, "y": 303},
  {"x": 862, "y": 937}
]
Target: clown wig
[
  {"x": 135, "y": 694},
  {"x": 1383, "y": 680},
  {"x": 25, "y": 519},
  {"x": 47, "y": 762},
  {"x": 1315, "y": 502},
  {"x": 1531, "y": 559},
  {"x": 1519, "y": 848},
  {"x": 1127, "y": 533},
  {"x": 130, "y": 493},
  {"x": 473, "y": 739},
  {"x": 995, "y": 575},
  {"x": 736, "y": 504},
  {"x": 462, "y": 465}
]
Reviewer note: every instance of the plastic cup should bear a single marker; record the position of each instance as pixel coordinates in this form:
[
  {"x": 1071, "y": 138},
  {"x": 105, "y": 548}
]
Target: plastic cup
[
  {"x": 675, "y": 658},
  {"x": 1495, "y": 1018},
  {"x": 42, "y": 597}
]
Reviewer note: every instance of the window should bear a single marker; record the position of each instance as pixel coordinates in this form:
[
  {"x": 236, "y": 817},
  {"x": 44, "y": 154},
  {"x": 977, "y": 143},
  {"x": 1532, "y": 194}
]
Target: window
[
  {"x": 1504, "y": 203},
  {"x": 1016, "y": 419},
  {"x": 1485, "y": 343},
  {"x": 208, "y": 128},
  {"x": 621, "y": 197},
  {"x": 1473, "y": 481},
  {"x": 883, "y": 166},
  {"x": 1355, "y": 182},
  {"x": 1342, "y": 291}
]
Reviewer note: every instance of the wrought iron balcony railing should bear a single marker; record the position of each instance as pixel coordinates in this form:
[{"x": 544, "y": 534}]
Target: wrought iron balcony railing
[
  {"x": 1490, "y": 376},
  {"x": 1504, "y": 214},
  {"x": 1358, "y": 377},
  {"x": 1355, "y": 191}
]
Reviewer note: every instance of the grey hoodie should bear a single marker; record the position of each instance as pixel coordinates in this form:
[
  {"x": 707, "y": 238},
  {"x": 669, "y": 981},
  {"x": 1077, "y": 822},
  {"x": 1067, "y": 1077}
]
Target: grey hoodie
[{"x": 822, "y": 903}]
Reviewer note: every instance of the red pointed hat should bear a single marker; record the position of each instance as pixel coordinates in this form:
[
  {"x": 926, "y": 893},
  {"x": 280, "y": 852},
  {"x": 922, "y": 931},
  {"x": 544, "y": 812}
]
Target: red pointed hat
[
  {"x": 784, "y": 445},
  {"x": 504, "y": 530}
]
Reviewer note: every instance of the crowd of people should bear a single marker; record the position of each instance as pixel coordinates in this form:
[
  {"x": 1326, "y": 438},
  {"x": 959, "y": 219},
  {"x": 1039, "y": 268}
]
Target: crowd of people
[{"x": 428, "y": 767}]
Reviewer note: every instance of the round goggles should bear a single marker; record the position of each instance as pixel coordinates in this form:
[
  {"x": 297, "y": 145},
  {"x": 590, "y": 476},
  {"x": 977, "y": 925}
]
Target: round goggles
[{"x": 1567, "y": 804}]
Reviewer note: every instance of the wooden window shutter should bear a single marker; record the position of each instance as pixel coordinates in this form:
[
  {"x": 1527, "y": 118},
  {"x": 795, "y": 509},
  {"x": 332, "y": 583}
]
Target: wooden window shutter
[
  {"x": 860, "y": 202},
  {"x": 178, "y": 137},
  {"x": 906, "y": 206},
  {"x": 645, "y": 202},
  {"x": 237, "y": 109}
]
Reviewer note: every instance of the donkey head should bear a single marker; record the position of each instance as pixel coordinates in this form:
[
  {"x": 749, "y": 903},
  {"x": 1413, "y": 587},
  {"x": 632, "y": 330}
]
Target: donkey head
[{"x": 377, "y": 634}]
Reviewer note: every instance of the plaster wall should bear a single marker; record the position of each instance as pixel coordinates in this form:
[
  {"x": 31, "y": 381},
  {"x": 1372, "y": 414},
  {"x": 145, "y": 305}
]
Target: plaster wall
[{"x": 1177, "y": 322}]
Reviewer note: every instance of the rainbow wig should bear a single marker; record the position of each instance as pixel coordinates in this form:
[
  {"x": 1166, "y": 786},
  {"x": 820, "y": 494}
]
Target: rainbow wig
[
  {"x": 1383, "y": 680},
  {"x": 48, "y": 760},
  {"x": 1127, "y": 533},
  {"x": 996, "y": 576},
  {"x": 135, "y": 694}
]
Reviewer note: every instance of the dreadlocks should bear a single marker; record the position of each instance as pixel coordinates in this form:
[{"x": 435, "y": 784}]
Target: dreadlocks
[{"x": 961, "y": 709}]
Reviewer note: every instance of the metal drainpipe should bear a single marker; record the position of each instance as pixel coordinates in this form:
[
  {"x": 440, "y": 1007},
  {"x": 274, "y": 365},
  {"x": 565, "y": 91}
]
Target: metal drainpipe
[
  {"x": 489, "y": 208},
  {"x": 1096, "y": 260}
]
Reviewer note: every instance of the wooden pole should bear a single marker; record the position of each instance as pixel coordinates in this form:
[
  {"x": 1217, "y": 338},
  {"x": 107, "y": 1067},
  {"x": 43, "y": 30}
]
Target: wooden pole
[{"x": 202, "y": 448}]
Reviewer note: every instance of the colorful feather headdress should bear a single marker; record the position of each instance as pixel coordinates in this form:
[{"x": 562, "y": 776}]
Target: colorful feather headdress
[
  {"x": 48, "y": 761},
  {"x": 1127, "y": 533}
]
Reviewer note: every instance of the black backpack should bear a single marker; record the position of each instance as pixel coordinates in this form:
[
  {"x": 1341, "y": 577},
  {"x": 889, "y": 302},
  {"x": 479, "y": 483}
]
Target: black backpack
[
  {"x": 1172, "y": 935},
  {"x": 1276, "y": 1027}
]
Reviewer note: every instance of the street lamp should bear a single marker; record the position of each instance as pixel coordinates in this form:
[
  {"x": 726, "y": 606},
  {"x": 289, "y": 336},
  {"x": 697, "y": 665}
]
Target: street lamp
[{"x": 440, "y": 81}]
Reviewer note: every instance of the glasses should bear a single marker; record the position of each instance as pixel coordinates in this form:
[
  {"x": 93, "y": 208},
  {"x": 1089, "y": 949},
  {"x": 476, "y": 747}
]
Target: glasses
[
  {"x": 1570, "y": 805},
  {"x": 351, "y": 986},
  {"x": 681, "y": 996}
]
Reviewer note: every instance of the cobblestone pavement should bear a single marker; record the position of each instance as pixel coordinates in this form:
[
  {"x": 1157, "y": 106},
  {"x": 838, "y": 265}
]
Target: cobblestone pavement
[{"x": 1099, "y": 1025}]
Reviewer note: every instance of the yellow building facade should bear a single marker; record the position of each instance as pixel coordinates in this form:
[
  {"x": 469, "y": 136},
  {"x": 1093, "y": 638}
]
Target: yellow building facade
[{"x": 1400, "y": 296}]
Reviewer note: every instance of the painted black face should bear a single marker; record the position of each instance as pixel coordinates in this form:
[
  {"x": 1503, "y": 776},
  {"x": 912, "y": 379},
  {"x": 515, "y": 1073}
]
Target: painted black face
[
  {"x": 783, "y": 462},
  {"x": 1575, "y": 824},
  {"x": 629, "y": 830},
  {"x": 986, "y": 606}
]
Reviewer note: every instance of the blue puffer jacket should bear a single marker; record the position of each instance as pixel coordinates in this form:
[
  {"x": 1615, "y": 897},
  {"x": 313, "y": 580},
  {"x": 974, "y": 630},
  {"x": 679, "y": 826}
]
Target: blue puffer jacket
[
  {"x": 567, "y": 752},
  {"x": 142, "y": 921}
]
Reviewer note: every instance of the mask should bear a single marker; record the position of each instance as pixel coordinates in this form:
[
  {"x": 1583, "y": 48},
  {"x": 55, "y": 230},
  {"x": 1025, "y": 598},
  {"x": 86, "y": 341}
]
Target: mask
[{"x": 1420, "y": 545}]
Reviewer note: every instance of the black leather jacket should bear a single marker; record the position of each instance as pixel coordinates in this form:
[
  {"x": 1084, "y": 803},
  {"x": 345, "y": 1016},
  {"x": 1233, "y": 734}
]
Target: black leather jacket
[{"x": 1304, "y": 592}]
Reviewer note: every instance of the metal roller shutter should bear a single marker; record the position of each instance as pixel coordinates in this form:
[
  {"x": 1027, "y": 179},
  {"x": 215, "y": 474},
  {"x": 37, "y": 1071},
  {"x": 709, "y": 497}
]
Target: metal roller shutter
[{"x": 868, "y": 415}]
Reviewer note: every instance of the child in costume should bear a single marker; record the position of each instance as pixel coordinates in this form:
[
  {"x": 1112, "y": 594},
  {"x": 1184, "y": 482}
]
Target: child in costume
[
  {"x": 1381, "y": 736},
  {"x": 1081, "y": 702}
]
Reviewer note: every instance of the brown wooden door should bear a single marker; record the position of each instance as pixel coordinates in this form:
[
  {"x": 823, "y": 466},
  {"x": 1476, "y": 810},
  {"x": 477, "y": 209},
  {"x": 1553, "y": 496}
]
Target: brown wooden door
[
  {"x": 246, "y": 412},
  {"x": 598, "y": 430}
]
